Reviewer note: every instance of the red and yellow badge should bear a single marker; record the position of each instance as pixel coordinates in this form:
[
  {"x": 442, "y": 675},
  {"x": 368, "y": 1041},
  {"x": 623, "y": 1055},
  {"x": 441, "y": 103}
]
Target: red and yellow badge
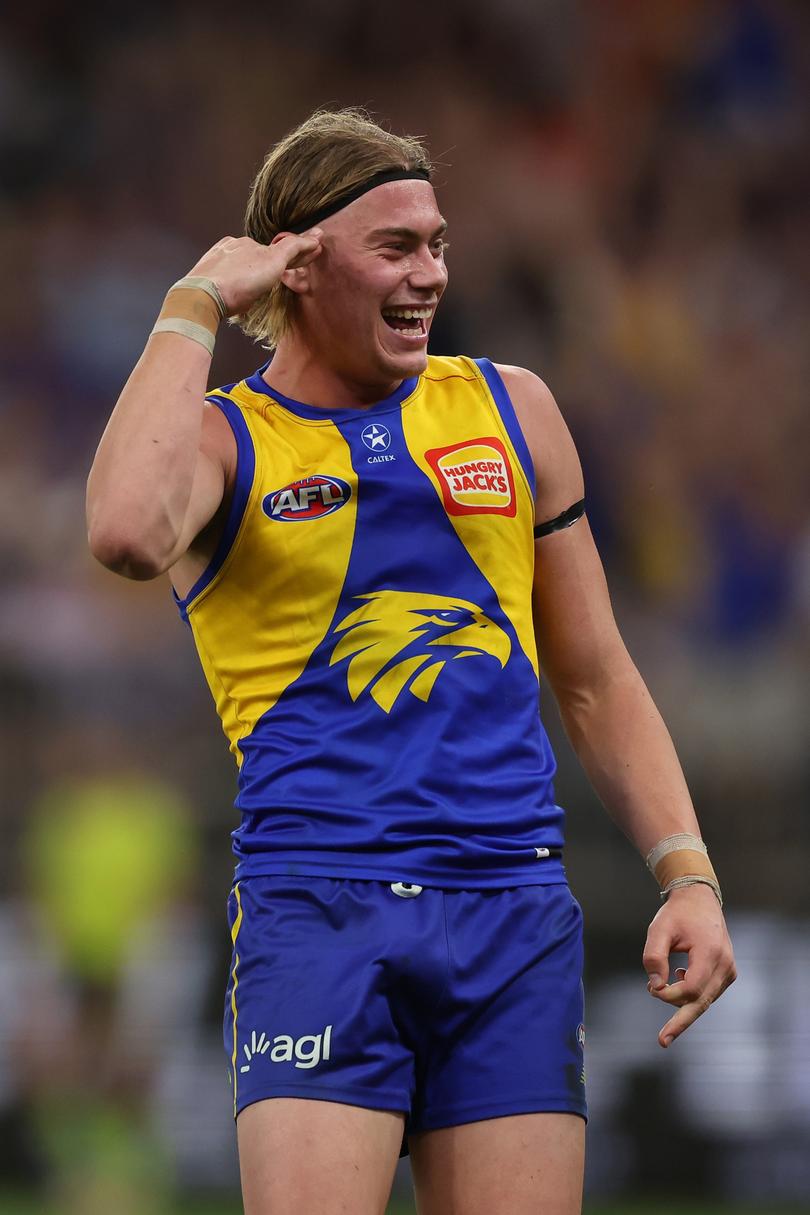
[{"x": 475, "y": 477}]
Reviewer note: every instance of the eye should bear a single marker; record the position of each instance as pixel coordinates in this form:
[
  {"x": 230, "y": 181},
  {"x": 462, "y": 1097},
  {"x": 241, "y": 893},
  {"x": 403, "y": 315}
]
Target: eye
[
  {"x": 440, "y": 247},
  {"x": 441, "y": 617}
]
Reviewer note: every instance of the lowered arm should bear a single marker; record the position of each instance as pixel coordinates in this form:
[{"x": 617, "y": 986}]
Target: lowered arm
[{"x": 608, "y": 713}]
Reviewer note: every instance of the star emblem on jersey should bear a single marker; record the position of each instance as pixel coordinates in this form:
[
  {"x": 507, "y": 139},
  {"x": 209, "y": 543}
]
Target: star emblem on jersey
[
  {"x": 400, "y": 639},
  {"x": 376, "y": 437}
]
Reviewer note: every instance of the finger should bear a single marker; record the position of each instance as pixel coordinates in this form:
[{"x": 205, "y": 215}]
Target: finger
[
  {"x": 292, "y": 240},
  {"x": 298, "y": 249},
  {"x": 673, "y": 993},
  {"x": 679, "y": 992},
  {"x": 685, "y": 990},
  {"x": 306, "y": 256},
  {"x": 682, "y": 989},
  {"x": 683, "y": 1018},
  {"x": 655, "y": 960},
  {"x": 695, "y": 1005}
]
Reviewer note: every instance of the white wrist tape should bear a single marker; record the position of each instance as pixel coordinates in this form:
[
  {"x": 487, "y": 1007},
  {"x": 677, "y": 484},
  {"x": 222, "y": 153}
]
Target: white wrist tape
[
  {"x": 198, "y": 282},
  {"x": 673, "y": 843},
  {"x": 189, "y": 329}
]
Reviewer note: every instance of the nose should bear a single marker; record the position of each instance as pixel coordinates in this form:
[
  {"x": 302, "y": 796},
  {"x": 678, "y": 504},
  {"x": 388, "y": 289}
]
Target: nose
[{"x": 427, "y": 273}]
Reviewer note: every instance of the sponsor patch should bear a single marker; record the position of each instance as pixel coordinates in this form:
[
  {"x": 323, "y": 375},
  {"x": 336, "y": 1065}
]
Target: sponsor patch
[
  {"x": 310, "y": 498},
  {"x": 475, "y": 477},
  {"x": 307, "y": 1051},
  {"x": 376, "y": 437}
]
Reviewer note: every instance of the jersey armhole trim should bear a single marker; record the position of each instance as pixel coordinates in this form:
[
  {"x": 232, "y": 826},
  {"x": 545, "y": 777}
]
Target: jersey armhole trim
[
  {"x": 506, "y": 409},
  {"x": 245, "y": 469}
]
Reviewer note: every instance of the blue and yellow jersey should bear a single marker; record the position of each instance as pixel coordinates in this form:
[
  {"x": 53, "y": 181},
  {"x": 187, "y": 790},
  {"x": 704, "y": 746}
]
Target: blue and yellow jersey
[{"x": 365, "y": 628}]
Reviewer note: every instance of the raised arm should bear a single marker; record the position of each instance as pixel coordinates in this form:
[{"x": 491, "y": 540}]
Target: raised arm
[
  {"x": 609, "y": 715},
  {"x": 165, "y": 459}
]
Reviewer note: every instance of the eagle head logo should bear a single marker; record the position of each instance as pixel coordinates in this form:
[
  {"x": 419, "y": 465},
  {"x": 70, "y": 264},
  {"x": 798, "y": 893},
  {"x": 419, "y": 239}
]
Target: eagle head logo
[{"x": 399, "y": 636}]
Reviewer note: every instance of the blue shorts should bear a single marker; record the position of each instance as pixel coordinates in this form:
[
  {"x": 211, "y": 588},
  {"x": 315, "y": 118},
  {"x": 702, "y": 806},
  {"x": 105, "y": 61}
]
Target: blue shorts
[{"x": 449, "y": 1005}]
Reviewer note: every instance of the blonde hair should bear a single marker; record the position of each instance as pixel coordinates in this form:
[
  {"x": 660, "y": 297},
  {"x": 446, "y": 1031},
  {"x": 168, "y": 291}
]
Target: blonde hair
[{"x": 330, "y": 153}]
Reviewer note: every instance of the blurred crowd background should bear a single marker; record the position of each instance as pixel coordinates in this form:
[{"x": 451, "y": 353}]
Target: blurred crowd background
[{"x": 627, "y": 185}]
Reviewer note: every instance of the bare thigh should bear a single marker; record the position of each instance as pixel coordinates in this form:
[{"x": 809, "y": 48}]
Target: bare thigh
[
  {"x": 523, "y": 1164},
  {"x": 298, "y": 1155}
]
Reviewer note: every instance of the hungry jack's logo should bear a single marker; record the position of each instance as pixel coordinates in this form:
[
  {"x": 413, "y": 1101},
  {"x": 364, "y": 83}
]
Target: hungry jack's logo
[
  {"x": 309, "y": 498},
  {"x": 475, "y": 477}
]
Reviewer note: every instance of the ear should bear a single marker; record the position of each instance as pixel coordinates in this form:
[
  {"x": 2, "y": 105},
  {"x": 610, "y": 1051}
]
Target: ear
[{"x": 297, "y": 280}]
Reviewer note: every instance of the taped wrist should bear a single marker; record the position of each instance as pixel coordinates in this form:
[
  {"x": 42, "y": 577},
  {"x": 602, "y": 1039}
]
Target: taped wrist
[
  {"x": 682, "y": 860},
  {"x": 193, "y": 308},
  {"x": 691, "y": 879},
  {"x": 198, "y": 282}
]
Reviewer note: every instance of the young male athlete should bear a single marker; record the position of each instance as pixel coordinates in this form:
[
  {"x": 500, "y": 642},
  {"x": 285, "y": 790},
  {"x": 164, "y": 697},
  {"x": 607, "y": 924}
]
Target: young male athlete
[{"x": 372, "y": 547}]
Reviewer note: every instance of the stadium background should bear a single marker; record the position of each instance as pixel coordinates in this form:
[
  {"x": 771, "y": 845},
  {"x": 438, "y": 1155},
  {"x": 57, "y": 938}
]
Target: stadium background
[{"x": 626, "y": 183}]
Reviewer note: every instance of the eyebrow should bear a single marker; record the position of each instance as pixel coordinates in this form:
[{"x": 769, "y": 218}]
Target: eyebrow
[{"x": 407, "y": 233}]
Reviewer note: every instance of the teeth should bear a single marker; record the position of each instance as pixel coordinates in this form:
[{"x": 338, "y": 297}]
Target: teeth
[{"x": 408, "y": 314}]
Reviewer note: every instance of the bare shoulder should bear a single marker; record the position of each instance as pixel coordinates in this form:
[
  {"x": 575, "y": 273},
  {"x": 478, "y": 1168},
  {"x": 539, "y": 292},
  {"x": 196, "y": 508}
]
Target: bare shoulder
[
  {"x": 525, "y": 387},
  {"x": 556, "y": 465}
]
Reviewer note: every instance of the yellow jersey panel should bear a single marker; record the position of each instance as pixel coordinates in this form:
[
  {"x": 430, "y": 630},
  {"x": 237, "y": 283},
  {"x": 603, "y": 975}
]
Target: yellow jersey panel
[
  {"x": 258, "y": 619},
  {"x": 481, "y": 482}
]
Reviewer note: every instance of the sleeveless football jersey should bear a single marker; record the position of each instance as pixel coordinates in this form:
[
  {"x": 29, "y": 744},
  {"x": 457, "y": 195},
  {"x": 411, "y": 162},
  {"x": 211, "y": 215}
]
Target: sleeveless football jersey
[{"x": 365, "y": 628}]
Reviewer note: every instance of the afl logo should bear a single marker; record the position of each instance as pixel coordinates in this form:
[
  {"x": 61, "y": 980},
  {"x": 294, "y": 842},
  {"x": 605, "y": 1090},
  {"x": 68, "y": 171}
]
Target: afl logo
[
  {"x": 376, "y": 437},
  {"x": 310, "y": 498}
]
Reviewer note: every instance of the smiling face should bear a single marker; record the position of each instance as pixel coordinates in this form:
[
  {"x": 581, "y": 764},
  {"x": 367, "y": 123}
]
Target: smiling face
[{"x": 366, "y": 304}]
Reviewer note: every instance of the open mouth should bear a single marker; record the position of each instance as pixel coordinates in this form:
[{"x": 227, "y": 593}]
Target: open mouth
[{"x": 412, "y": 322}]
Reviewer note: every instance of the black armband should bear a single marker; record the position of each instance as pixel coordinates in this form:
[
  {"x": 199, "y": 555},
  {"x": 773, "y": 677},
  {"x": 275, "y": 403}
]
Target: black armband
[{"x": 562, "y": 521}]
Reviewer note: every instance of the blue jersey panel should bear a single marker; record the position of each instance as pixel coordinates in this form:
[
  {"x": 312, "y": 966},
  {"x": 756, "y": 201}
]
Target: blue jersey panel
[{"x": 417, "y": 775}]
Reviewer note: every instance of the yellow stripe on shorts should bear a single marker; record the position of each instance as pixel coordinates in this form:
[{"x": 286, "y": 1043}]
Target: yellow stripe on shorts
[{"x": 237, "y": 924}]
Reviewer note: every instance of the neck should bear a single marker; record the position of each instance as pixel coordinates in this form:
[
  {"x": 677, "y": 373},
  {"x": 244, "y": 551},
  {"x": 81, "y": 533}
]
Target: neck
[{"x": 298, "y": 372}]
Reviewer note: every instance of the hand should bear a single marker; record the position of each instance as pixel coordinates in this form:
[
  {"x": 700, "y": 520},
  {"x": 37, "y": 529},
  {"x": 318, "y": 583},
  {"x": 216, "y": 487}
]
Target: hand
[
  {"x": 690, "y": 922},
  {"x": 244, "y": 270}
]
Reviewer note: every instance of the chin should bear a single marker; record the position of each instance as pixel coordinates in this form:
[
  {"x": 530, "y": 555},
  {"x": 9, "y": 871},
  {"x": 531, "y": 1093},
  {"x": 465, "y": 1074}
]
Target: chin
[{"x": 404, "y": 366}]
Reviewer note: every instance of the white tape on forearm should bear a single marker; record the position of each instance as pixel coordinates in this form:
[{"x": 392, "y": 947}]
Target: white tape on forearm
[
  {"x": 189, "y": 329},
  {"x": 198, "y": 282},
  {"x": 673, "y": 843}
]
